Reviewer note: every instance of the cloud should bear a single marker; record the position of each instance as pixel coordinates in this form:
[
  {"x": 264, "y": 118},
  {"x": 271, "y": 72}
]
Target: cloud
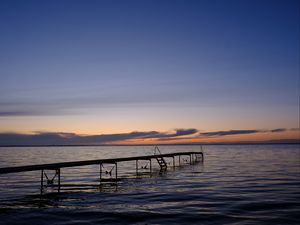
[
  {"x": 178, "y": 133},
  {"x": 295, "y": 129},
  {"x": 229, "y": 132},
  {"x": 181, "y": 132},
  {"x": 71, "y": 103},
  {"x": 60, "y": 138},
  {"x": 241, "y": 132},
  {"x": 11, "y": 113},
  {"x": 279, "y": 130}
]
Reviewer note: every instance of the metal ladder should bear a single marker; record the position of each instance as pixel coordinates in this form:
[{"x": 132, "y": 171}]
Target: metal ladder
[{"x": 161, "y": 161}]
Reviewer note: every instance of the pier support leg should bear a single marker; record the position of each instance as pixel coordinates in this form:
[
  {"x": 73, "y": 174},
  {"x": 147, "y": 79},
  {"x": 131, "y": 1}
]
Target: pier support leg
[
  {"x": 150, "y": 167},
  {"x": 179, "y": 161},
  {"x": 190, "y": 159},
  {"x": 173, "y": 162},
  {"x": 42, "y": 182},
  {"x": 197, "y": 157},
  {"x": 100, "y": 174},
  {"x": 58, "y": 173},
  {"x": 116, "y": 168},
  {"x": 136, "y": 167}
]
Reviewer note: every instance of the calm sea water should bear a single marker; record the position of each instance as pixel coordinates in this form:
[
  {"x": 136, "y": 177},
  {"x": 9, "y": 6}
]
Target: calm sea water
[{"x": 246, "y": 184}]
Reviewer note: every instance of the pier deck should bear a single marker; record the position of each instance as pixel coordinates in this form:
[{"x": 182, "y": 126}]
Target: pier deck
[{"x": 194, "y": 156}]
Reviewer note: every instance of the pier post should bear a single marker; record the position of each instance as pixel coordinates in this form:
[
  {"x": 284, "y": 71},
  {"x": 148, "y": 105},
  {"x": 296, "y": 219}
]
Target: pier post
[
  {"x": 42, "y": 181},
  {"x": 174, "y": 162},
  {"x": 190, "y": 159},
  {"x": 116, "y": 168},
  {"x": 58, "y": 173},
  {"x": 179, "y": 161},
  {"x": 100, "y": 177},
  {"x": 136, "y": 167},
  {"x": 150, "y": 167},
  {"x": 197, "y": 157}
]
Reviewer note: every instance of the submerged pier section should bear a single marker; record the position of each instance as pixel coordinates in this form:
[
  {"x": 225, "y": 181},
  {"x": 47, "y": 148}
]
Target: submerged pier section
[{"x": 46, "y": 181}]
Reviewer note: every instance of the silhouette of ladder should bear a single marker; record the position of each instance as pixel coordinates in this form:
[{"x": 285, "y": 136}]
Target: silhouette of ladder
[{"x": 161, "y": 161}]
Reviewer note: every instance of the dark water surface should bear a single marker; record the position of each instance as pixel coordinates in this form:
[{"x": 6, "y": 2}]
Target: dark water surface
[{"x": 245, "y": 184}]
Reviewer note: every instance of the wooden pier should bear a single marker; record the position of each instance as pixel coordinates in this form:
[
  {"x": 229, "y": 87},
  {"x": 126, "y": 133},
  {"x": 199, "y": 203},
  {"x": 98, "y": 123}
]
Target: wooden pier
[{"x": 159, "y": 158}]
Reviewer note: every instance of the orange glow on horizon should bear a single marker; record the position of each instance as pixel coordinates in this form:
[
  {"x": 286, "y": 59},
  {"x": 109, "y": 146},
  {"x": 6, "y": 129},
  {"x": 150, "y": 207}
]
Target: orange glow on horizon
[
  {"x": 99, "y": 126},
  {"x": 256, "y": 137}
]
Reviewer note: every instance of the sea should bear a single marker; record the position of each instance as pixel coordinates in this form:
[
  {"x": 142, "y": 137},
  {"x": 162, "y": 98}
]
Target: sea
[{"x": 235, "y": 184}]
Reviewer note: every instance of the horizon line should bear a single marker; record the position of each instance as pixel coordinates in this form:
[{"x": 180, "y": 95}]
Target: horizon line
[{"x": 271, "y": 142}]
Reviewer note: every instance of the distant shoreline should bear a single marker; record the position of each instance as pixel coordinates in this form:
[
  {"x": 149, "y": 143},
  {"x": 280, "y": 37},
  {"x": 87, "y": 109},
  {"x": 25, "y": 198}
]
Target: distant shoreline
[{"x": 191, "y": 144}]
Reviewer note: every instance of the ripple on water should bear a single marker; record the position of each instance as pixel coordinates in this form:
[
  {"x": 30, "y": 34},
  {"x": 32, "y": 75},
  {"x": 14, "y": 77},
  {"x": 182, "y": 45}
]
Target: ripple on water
[{"x": 235, "y": 185}]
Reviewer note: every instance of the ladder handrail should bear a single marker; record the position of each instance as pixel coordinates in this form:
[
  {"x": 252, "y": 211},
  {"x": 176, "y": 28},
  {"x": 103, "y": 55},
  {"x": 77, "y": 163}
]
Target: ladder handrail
[
  {"x": 201, "y": 149},
  {"x": 156, "y": 149}
]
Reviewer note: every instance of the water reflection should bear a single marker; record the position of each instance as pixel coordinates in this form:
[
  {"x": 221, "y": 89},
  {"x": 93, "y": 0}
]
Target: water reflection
[{"x": 235, "y": 184}]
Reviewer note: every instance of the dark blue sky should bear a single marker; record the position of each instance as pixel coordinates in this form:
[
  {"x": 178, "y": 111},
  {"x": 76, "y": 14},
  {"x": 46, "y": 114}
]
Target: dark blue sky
[{"x": 202, "y": 64}]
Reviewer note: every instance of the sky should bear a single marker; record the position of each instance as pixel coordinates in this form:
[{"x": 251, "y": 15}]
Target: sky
[{"x": 148, "y": 71}]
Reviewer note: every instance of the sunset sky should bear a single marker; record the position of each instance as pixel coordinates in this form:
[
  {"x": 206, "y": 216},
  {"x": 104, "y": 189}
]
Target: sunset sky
[{"x": 147, "y": 71}]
